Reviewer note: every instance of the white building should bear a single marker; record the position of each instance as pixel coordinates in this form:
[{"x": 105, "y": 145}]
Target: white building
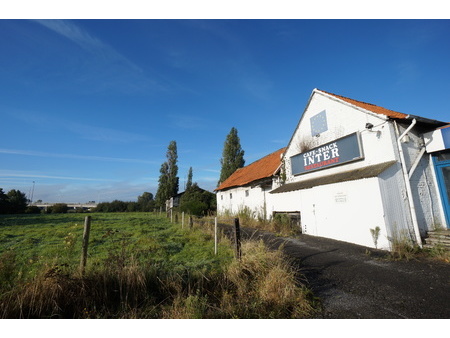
[
  {"x": 353, "y": 167},
  {"x": 247, "y": 189}
]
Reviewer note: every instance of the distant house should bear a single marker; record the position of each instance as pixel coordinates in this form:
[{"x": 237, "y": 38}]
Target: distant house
[
  {"x": 248, "y": 187},
  {"x": 353, "y": 168},
  {"x": 174, "y": 201}
]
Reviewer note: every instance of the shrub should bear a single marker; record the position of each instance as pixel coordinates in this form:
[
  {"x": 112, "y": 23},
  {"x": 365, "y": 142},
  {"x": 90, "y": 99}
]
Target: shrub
[
  {"x": 32, "y": 209},
  {"x": 59, "y": 208}
]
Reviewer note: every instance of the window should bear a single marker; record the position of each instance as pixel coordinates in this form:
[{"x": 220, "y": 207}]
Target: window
[
  {"x": 246, "y": 193},
  {"x": 221, "y": 197},
  {"x": 231, "y": 196}
]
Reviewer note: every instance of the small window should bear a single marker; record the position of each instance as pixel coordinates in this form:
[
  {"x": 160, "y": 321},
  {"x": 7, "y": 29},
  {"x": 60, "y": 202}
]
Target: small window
[
  {"x": 231, "y": 196},
  {"x": 246, "y": 193},
  {"x": 221, "y": 197}
]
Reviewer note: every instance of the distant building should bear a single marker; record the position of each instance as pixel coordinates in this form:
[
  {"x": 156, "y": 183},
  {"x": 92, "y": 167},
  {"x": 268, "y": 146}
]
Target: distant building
[{"x": 352, "y": 167}]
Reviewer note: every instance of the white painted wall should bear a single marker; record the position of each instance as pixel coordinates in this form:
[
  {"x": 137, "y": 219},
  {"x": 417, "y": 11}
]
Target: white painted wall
[
  {"x": 236, "y": 199},
  {"x": 345, "y": 211}
]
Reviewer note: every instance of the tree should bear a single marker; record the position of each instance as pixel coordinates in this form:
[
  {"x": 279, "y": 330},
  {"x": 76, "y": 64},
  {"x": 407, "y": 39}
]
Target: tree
[
  {"x": 162, "y": 192},
  {"x": 168, "y": 180},
  {"x": 189, "y": 179},
  {"x": 197, "y": 201},
  {"x": 145, "y": 202},
  {"x": 4, "y": 202},
  {"x": 17, "y": 202},
  {"x": 232, "y": 155}
]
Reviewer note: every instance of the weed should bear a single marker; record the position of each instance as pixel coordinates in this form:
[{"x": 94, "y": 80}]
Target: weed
[{"x": 375, "y": 235}]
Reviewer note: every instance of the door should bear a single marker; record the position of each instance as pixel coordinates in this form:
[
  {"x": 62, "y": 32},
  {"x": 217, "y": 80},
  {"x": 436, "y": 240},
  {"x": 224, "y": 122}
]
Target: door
[{"x": 442, "y": 164}]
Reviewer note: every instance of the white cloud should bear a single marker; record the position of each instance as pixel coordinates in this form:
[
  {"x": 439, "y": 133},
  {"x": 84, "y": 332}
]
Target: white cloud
[
  {"x": 86, "y": 41},
  {"x": 106, "y": 68},
  {"x": 72, "y": 156},
  {"x": 26, "y": 174}
]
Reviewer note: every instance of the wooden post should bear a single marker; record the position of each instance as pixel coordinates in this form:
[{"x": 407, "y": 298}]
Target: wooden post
[
  {"x": 215, "y": 235},
  {"x": 171, "y": 216},
  {"x": 182, "y": 220},
  {"x": 237, "y": 238},
  {"x": 176, "y": 217},
  {"x": 87, "y": 230},
  {"x": 191, "y": 222}
]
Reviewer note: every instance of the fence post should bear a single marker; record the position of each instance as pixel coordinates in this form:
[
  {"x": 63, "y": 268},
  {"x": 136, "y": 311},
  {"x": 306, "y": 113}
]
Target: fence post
[
  {"x": 182, "y": 220},
  {"x": 86, "y": 232},
  {"x": 191, "y": 222},
  {"x": 171, "y": 216},
  {"x": 237, "y": 238},
  {"x": 215, "y": 235}
]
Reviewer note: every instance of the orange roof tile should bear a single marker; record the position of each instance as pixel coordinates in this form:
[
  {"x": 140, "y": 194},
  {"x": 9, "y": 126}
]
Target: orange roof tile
[
  {"x": 263, "y": 168},
  {"x": 370, "y": 107}
]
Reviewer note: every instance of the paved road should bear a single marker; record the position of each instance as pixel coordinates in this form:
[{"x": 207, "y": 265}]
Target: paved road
[{"x": 354, "y": 284}]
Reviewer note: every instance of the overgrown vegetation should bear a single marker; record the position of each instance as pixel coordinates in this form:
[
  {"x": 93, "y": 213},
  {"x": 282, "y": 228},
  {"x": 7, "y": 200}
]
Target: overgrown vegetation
[
  {"x": 281, "y": 224},
  {"x": 139, "y": 266}
]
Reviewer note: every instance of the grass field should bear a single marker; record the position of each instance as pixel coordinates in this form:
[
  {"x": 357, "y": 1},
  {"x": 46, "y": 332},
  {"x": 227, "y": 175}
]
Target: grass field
[
  {"x": 140, "y": 265},
  {"x": 55, "y": 240}
]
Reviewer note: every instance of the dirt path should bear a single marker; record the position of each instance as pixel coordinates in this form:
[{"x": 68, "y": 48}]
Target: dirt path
[{"x": 354, "y": 284}]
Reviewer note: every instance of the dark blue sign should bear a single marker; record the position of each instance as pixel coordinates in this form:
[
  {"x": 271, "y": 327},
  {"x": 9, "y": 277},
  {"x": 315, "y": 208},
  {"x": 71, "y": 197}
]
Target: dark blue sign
[{"x": 340, "y": 151}]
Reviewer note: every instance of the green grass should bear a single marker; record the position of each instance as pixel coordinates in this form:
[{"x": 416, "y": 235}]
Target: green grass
[
  {"x": 44, "y": 240},
  {"x": 139, "y": 266}
]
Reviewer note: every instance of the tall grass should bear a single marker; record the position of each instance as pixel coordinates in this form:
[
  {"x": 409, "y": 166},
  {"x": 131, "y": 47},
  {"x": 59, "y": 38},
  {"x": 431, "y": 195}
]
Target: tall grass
[{"x": 156, "y": 270}]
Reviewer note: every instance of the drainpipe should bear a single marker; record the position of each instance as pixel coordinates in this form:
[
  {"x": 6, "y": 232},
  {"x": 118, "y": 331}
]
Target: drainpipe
[{"x": 408, "y": 183}]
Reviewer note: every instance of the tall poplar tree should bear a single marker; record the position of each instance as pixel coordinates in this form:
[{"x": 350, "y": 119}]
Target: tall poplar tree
[
  {"x": 168, "y": 179},
  {"x": 189, "y": 179},
  {"x": 232, "y": 155}
]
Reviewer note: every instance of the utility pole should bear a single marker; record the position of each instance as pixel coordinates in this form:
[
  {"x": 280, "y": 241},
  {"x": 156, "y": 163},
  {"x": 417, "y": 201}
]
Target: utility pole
[{"x": 32, "y": 193}]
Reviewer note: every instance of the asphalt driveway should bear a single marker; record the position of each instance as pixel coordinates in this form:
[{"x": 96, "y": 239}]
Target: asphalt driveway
[{"x": 357, "y": 282}]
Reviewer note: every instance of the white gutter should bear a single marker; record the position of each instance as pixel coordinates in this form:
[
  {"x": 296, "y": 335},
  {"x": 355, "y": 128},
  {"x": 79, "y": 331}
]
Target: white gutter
[{"x": 408, "y": 183}]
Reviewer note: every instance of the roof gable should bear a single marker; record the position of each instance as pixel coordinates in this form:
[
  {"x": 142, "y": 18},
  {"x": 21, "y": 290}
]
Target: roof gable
[{"x": 262, "y": 168}]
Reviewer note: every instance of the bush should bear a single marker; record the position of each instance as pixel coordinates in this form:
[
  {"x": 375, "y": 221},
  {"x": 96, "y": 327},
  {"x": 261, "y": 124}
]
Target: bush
[
  {"x": 59, "y": 208},
  {"x": 197, "y": 201},
  {"x": 32, "y": 209}
]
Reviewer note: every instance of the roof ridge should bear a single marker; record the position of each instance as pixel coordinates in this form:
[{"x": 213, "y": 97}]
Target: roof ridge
[
  {"x": 262, "y": 158},
  {"x": 362, "y": 104}
]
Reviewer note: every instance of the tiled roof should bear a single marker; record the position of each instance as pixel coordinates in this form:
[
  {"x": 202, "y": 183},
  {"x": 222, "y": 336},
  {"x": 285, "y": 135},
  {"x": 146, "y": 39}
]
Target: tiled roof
[
  {"x": 370, "y": 107},
  {"x": 263, "y": 168}
]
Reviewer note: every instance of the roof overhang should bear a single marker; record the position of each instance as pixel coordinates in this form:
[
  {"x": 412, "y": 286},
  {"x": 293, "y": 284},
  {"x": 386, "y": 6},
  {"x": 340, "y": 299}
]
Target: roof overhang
[{"x": 351, "y": 175}]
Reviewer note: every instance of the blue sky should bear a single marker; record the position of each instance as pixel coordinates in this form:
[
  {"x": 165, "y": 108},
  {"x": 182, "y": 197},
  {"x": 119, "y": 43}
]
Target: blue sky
[{"x": 88, "y": 107}]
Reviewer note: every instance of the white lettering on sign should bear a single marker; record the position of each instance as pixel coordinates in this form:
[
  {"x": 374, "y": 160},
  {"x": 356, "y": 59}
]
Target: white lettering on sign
[{"x": 322, "y": 156}]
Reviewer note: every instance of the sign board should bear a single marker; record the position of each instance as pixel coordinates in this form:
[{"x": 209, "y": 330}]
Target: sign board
[
  {"x": 340, "y": 151},
  {"x": 438, "y": 139}
]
